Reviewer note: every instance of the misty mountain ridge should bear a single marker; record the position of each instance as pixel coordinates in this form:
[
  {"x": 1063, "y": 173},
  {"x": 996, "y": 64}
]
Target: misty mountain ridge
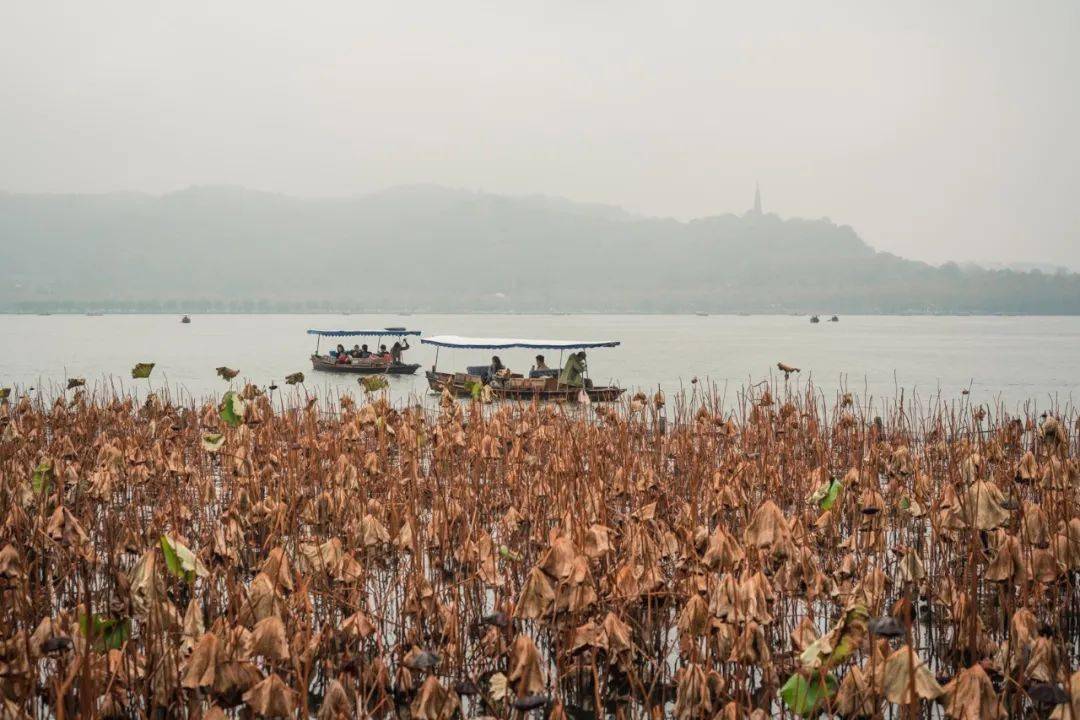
[{"x": 430, "y": 248}]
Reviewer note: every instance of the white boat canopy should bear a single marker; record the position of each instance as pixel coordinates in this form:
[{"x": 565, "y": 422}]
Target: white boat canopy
[{"x": 479, "y": 343}]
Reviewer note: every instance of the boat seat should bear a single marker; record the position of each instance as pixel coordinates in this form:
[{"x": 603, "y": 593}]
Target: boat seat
[
  {"x": 550, "y": 372},
  {"x": 481, "y": 371}
]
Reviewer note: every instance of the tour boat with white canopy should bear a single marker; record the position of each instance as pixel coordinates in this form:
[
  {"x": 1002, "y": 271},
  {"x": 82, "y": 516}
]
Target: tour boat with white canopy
[
  {"x": 364, "y": 362},
  {"x": 565, "y": 381}
]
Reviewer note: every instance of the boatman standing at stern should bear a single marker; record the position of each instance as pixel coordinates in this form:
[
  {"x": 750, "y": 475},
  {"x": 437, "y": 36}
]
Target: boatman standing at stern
[
  {"x": 397, "y": 349},
  {"x": 573, "y": 374}
]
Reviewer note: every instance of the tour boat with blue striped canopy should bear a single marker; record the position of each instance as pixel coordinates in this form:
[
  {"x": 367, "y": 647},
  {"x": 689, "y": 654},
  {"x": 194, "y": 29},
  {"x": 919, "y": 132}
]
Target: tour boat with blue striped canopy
[{"x": 361, "y": 363}]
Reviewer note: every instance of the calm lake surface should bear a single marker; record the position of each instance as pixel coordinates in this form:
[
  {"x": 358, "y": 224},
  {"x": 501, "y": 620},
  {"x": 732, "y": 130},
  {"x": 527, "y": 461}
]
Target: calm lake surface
[{"x": 1009, "y": 360}]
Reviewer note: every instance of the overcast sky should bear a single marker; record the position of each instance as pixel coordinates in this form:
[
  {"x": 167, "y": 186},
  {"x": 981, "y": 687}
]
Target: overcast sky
[{"x": 939, "y": 130}]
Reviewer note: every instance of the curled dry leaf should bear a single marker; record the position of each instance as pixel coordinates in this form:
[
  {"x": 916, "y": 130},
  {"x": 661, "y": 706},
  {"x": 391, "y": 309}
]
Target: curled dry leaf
[
  {"x": 271, "y": 698},
  {"x": 434, "y": 702},
  {"x": 970, "y": 696},
  {"x": 906, "y": 678}
]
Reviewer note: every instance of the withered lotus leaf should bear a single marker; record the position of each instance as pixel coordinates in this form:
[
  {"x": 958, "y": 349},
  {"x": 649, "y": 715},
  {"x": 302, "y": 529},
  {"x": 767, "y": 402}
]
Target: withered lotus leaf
[
  {"x": 525, "y": 676},
  {"x": 768, "y": 528},
  {"x": 372, "y": 532},
  {"x": 202, "y": 664},
  {"x": 1028, "y": 469},
  {"x": 588, "y": 636},
  {"x": 911, "y": 567},
  {"x": 536, "y": 597},
  {"x": 723, "y": 551},
  {"x": 358, "y": 625},
  {"x": 905, "y": 670},
  {"x": 558, "y": 560},
  {"x": 277, "y": 568},
  {"x": 619, "y": 636},
  {"x": 263, "y": 600},
  {"x": 1007, "y": 563},
  {"x": 336, "y": 705},
  {"x": 1066, "y": 544},
  {"x": 970, "y": 696},
  {"x": 271, "y": 698},
  {"x": 64, "y": 528},
  {"x": 693, "y": 699},
  {"x": 855, "y": 697},
  {"x": 694, "y": 618},
  {"x": 575, "y": 593},
  {"x": 1034, "y": 525},
  {"x": 10, "y": 563},
  {"x": 434, "y": 702},
  {"x": 804, "y": 634},
  {"x": 268, "y": 639},
  {"x": 981, "y": 506},
  {"x": 1044, "y": 663}
]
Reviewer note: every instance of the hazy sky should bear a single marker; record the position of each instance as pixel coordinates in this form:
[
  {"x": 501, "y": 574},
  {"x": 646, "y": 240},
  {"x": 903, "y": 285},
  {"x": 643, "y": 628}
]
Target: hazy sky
[{"x": 939, "y": 130}]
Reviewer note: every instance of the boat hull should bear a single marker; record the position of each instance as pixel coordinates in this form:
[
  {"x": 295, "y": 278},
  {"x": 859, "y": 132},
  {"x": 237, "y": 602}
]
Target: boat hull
[
  {"x": 364, "y": 367},
  {"x": 438, "y": 382}
]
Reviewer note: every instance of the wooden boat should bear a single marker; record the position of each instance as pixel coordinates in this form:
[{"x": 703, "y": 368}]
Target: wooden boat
[
  {"x": 362, "y": 366},
  {"x": 543, "y": 385},
  {"x": 374, "y": 365},
  {"x": 519, "y": 388}
]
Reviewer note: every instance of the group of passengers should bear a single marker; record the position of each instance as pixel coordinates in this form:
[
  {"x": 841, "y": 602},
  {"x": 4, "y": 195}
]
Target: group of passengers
[
  {"x": 341, "y": 356},
  {"x": 573, "y": 373}
]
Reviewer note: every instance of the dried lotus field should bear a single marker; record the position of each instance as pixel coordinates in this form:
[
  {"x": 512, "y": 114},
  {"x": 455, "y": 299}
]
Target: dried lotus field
[{"x": 270, "y": 558}]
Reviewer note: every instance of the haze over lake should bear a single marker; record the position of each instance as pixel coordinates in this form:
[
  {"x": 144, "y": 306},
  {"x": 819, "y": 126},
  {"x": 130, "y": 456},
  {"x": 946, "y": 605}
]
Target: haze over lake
[{"x": 1007, "y": 359}]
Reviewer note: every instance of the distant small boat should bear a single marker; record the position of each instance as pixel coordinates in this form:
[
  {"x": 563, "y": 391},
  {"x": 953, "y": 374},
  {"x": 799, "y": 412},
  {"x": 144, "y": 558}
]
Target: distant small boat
[
  {"x": 94, "y": 314},
  {"x": 186, "y": 320},
  {"x": 834, "y": 319},
  {"x": 815, "y": 319},
  {"x": 700, "y": 313}
]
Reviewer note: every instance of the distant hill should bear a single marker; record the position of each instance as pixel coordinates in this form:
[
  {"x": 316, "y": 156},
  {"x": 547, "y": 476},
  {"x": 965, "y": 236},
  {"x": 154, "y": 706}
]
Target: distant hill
[{"x": 436, "y": 249}]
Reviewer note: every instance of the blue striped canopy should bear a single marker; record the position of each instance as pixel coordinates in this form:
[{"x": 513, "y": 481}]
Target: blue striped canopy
[
  {"x": 363, "y": 333},
  {"x": 475, "y": 343}
]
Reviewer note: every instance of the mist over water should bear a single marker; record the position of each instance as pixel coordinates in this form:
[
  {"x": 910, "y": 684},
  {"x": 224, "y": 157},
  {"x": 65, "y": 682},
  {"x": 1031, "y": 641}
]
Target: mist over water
[{"x": 1011, "y": 360}]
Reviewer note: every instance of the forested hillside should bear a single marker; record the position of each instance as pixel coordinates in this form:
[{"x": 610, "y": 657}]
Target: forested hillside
[{"x": 429, "y": 248}]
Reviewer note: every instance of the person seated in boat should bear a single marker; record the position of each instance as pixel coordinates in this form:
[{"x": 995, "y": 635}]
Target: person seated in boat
[
  {"x": 355, "y": 352},
  {"x": 540, "y": 364},
  {"x": 397, "y": 349},
  {"x": 343, "y": 357},
  {"x": 364, "y": 352},
  {"x": 384, "y": 354},
  {"x": 337, "y": 353},
  {"x": 497, "y": 369},
  {"x": 573, "y": 374}
]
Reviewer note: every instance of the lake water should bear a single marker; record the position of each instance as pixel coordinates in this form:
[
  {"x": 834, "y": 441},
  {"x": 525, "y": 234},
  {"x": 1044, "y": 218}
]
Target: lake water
[{"x": 1011, "y": 360}]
